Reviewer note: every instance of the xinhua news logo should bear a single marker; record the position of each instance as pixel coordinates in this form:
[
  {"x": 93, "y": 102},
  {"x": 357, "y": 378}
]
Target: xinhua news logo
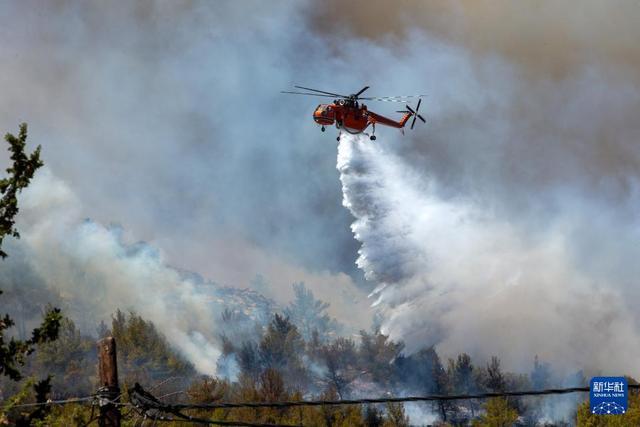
[{"x": 608, "y": 395}]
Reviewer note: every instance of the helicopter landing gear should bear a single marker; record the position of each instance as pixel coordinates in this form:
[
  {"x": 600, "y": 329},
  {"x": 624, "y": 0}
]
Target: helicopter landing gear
[
  {"x": 372, "y": 137},
  {"x": 322, "y": 128},
  {"x": 339, "y": 135}
]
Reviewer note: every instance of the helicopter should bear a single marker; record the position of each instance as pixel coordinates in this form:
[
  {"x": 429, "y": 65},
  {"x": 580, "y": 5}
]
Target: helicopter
[{"x": 354, "y": 118}]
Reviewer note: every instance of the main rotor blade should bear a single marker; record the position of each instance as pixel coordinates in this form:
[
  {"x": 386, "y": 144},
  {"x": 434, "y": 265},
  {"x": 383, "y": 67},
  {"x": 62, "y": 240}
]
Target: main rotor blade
[
  {"x": 362, "y": 90},
  {"x": 402, "y": 101},
  {"x": 392, "y": 98},
  {"x": 320, "y": 91},
  {"x": 301, "y": 93}
]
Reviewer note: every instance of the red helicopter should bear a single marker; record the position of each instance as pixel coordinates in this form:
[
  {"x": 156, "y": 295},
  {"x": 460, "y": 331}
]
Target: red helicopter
[{"x": 354, "y": 118}]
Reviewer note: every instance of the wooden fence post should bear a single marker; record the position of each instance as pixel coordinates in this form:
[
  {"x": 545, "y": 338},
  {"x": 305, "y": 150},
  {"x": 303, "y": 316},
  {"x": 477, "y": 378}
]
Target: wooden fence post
[{"x": 108, "y": 391}]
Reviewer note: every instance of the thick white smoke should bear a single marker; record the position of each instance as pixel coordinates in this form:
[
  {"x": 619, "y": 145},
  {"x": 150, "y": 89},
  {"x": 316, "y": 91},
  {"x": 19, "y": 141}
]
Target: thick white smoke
[
  {"x": 97, "y": 269},
  {"x": 454, "y": 274},
  {"x": 91, "y": 266}
]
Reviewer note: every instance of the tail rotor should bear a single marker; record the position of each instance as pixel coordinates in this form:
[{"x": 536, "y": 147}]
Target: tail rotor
[{"x": 414, "y": 113}]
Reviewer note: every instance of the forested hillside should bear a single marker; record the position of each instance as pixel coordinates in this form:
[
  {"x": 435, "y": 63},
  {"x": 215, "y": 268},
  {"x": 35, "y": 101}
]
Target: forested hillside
[{"x": 275, "y": 361}]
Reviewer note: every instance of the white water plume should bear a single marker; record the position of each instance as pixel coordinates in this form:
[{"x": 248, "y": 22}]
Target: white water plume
[{"x": 452, "y": 273}]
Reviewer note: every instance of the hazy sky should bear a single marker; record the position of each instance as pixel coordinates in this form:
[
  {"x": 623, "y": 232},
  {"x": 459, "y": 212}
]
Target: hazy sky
[{"x": 165, "y": 117}]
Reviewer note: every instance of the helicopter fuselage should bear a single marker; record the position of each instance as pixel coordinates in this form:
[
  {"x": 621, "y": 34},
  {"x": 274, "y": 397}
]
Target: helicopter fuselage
[{"x": 353, "y": 117}]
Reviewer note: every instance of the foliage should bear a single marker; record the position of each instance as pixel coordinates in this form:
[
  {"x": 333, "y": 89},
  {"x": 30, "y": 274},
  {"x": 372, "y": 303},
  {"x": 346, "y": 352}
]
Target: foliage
[
  {"x": 13, "y": 352},
  {"x": 498, "y": 414},
  {"x": 278, "y": 364},
  {"x": 71, "y": 359},
  {"x": 32, "y": 391},
  {"x": 309, "y": 314},
  {"x": 207, "y": 390},
  {"x": 341, "y": 361},
  {"x": 540, "y": 375},
  {"x": 9, "y": 408},
  {"x": 464, "y": 380},
  {"x": 373, "y": 417},
  {"x": 376, "y": 356},
  {"x": 584, "y": 417},
  {"x": 422, "y": 373},
  {"x": 396, "y": 416},
  {"x": 71, "y": 415},
  {"x": 281, "y": 349},
  {"x": 144, "y": 355},
  {"x": 20, "y": 172},
  {"x": 495, "y": 380}
]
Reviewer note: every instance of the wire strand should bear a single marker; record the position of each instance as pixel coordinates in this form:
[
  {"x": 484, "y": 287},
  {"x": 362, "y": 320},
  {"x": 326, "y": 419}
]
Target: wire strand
[
  {"x": 191, "y": 419},
  {"x": 428, "y": 398},
  {"x": 56, "y": 402}
]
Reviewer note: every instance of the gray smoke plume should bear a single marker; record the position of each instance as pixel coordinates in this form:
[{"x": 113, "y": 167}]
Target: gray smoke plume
[
  {"x": 165, "y": 117},
  {"x": 95, "y": 270},
  {"x": 517, "y": 204},
  {"x": 91, "y": 267}
]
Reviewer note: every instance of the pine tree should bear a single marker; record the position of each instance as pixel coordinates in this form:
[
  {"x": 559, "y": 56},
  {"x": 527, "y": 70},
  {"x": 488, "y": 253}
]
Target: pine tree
[
  {"x": 281, "y": 349},
  {"x": 498, "y": 414},
  {"x": 22, "y": 169},
  {"x": 309, "y": 314},
  {"x": 540, "y": 375},
  {"x": 495, "y": 379},
  {"x": 13, "y": 352},
  {"x": 20, "y": 172},
  {"x": 340, "y": 360}
]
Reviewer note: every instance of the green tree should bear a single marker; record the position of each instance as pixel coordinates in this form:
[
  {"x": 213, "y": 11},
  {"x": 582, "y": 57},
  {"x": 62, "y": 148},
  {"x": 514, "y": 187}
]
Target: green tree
[
  {"x": 12, "y": 351},
  {"x": 396, "y": 416},
  {"x": 144, "y": 355},
  {"x": 541, "y": 374},
  {"x": 498, "y": 414},
  {"x": 495, "y": 380},
  {"x": 309, "y": 314},
  {"x": 422, "y": 373},
  {"x": 340, "y": 359},
  {"x": 373, "y": 417},
  {"x": 376, "y": 355},
  {"x": 461, "y": 373},
  {"x": 584, "y": 417},
  {"x": 281, "y": 349},
  {"x": 71, "y": 359},
  {"x": 20, "y": 173},
  {"x": 248, "y": 357}
]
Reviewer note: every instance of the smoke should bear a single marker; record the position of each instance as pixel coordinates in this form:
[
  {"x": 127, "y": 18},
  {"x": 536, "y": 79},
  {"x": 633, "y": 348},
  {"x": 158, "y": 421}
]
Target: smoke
[
  {"x": 97, "y": 272},
  {"x": 517, "y": 204},
  {"x": 166, "y": 118},
  {"x": 96, "y": 269},
  {"x": 182, "y": 100},
  {"x": 454, "y": 274},
  {"x": 550, "y": 40}
]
